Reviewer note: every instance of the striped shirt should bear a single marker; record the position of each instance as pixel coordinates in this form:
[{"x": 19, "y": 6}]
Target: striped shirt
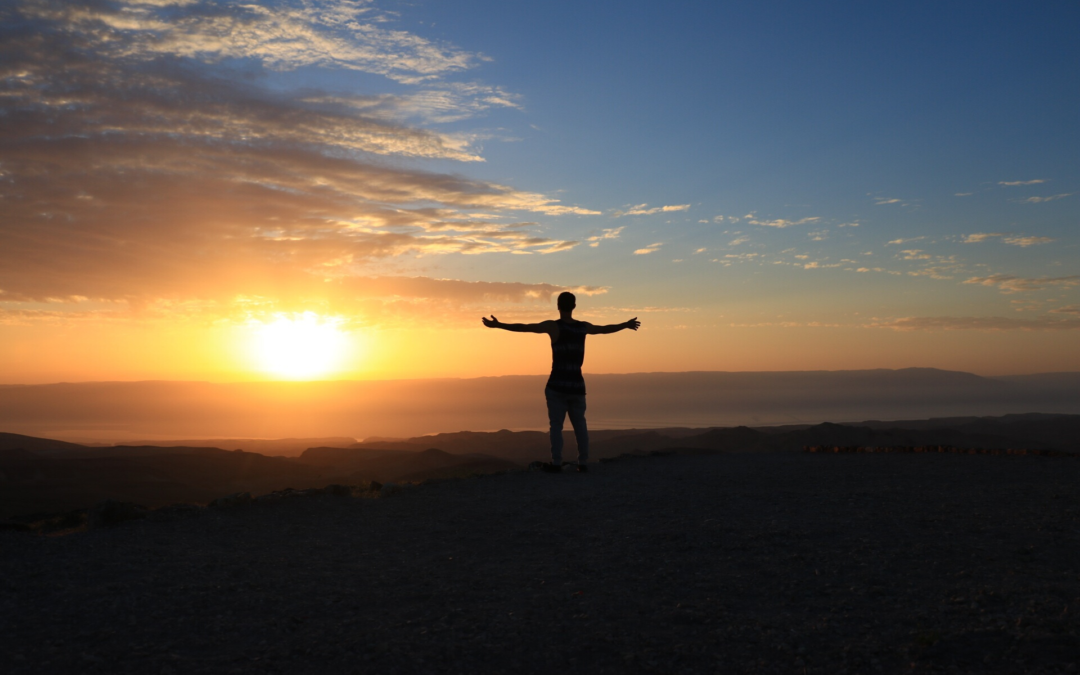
[{"x": 567, "y": 355}]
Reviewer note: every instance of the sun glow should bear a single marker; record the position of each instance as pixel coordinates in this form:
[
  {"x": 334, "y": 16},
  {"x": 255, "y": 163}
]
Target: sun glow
[{"x": 301, "y": 347}]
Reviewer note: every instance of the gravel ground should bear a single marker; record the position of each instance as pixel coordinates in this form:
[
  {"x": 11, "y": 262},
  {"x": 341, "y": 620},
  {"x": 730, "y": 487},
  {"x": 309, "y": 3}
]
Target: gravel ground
[{"x": 776, "y": 562}]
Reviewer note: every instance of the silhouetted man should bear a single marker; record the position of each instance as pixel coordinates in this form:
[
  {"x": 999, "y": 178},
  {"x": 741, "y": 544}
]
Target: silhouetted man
[{"x": 565, "y": 391}]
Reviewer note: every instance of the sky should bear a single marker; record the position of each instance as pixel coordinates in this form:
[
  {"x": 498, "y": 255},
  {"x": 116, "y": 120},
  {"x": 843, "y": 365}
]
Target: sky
[{"x": 340, "y": 189}]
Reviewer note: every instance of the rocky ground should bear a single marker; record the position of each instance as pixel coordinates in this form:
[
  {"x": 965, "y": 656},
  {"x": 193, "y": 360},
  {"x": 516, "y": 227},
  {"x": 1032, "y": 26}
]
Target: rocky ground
[{"x": 755, "y": 563}]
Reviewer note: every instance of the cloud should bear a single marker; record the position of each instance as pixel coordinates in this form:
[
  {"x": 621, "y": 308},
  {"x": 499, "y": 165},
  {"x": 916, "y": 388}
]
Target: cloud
[
  {"x": 963, "y": 194},
  {"x": 897, "y": 242},
  {"x": 1069, "y": 309},
  {"x": 439, "y": 102},
  {"x": 151, "y": 155},
  {"x": 453, "y": 290},
  {"x": 915, "y": 254},
  {"x": 879, "y": 201},
  {"x": 781, "y": 223},
  {"x": 978, "y": 323},
  {"x": 282, "y": 36},
  {"x": 932, "y": 272},
  {"x": 1014, "y": 183},
  {"x": 1027, "y": 241},
  {"x": 371, "y": 302},
  {"x": 980, "y": 237},
  {"x": 738, "y": 241},
  {"x": 1008, "y": 239},
  {"x": 607, "y": 233},
  {"x": 1008, "y": 283},
  {"x": 853, "y": 223},
  {"x": 651, "y": 248},
  {"x": 1039, "y": 200},
  {"x": 644, "y": 210}
]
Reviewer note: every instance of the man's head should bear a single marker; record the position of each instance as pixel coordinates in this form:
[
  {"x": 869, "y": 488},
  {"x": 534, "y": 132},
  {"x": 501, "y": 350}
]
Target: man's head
[{"x": 566, "y": 301}]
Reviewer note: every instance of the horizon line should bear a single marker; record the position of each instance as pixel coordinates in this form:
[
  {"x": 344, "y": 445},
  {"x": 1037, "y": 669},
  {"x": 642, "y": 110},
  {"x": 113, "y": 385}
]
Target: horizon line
[{"x": 531, "y": 375}]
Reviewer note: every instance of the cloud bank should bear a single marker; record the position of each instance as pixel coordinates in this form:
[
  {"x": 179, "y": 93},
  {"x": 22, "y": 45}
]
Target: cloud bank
[{"x": 151, "y": 153}]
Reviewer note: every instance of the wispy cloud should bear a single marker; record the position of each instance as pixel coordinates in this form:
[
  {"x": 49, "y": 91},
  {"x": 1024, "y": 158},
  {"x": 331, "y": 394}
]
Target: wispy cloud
[
  {"x": 645, "y": 210},
  {"x": 1012, "y": 240},
  {"x": 651, "y": 248},
  {"x": 881, "y": 201},
  {"x": 149, "y": 152},
  {"x": 980, "y": 237},
  {"x": 370, "y": 302},
  {"x": 1027, "y": 241},
  {"x": 782, "y": 223},
  {"x": 932, "y": 271},
  {"x": 979, "y": 323},
  {"x": 607, "y": 233},
  {"x": 1014, "y": 183},
  {"x": 897, "y": 242},
  {"x": 284, "y": 36},
  {"x": 1008, "y": 283},
  {"x": 915, "y": 254},
  {"x": 963, "y": 194},
  {"x": 1039, "y": 200}
]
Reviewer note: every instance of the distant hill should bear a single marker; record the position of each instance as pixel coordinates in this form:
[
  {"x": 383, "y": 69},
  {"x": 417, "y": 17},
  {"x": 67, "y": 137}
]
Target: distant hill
[
  {"x": 36, "y": 446},
  {"x": 41, "y": 475},
  {"x": 285, "y": 447},
  {"x": 411, "y": 408}
]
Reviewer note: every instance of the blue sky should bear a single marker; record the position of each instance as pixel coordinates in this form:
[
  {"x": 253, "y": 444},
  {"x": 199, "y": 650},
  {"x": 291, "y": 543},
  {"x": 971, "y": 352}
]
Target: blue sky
[
  {"x": 879, "y": 115},
  {"x": 748, "y": 178}
]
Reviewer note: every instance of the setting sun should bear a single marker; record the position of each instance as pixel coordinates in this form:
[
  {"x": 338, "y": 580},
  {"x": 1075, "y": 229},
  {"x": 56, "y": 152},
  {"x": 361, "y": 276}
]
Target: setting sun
[{"x": 300, "y": 347}]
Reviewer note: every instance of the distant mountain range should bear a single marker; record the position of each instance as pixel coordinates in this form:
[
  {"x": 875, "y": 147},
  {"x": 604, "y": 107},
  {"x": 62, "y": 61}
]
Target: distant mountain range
[
  {"x": 42, "y": 475},
  {"x": 111, "y": 411}
]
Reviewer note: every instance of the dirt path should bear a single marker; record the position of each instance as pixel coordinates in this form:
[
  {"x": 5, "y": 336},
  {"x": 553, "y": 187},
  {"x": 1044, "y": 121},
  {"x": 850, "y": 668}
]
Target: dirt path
[{"x": 781, "y": 563}]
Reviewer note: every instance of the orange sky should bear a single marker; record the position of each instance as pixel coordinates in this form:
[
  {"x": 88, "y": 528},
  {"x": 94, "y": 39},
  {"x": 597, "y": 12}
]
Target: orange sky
[
  {"x": 132, "y": 351},
  {"x": 332, "y": 189}
]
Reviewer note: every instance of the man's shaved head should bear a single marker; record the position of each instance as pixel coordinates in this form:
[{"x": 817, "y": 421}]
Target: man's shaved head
[{"x": 566, "y": 300}]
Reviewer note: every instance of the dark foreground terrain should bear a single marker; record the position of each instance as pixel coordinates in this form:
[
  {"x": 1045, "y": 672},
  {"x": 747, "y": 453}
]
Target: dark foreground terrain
[{"x": 771, "y": 562}]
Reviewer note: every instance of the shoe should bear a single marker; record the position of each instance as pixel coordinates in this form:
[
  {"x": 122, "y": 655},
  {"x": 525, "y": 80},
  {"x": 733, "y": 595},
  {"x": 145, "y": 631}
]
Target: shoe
[
  {"x": 551, "y": 468},
  {"x": 583, "y": 468}
]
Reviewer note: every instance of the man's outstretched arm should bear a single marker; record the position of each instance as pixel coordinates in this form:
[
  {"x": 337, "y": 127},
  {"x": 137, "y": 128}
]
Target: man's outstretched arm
[
  {"x": 632, "y": 324},
  {"x": 542, "y": 327}
]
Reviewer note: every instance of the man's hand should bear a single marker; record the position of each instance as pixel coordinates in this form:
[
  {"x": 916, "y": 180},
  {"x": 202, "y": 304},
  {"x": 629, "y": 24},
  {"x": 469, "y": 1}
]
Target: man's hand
[
  {"x": 633, "y": 324},
  {"x": 492, "y": 322}
]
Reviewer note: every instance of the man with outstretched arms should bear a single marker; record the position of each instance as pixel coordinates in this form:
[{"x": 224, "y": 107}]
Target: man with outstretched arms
[{"x": 565, "y": 390}]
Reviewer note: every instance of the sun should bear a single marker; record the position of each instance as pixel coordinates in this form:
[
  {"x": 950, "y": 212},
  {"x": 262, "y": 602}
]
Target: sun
[{"x": 300, "y": 347}]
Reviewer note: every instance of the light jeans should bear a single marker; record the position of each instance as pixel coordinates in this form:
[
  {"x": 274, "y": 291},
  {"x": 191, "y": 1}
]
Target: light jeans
[{"x": 559, "y": 405}]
